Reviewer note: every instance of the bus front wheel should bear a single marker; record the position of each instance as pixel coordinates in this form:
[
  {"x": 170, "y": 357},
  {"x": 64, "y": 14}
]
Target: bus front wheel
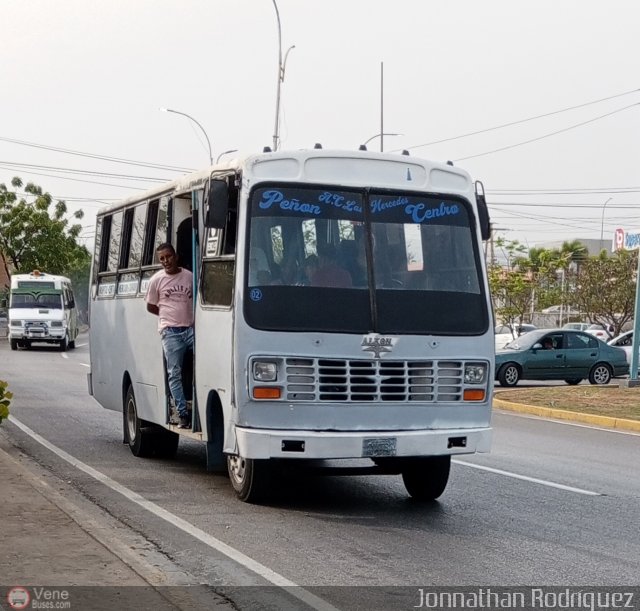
[
  {"x": 14, "y": 344},
  {"x": 249, "y": 477},
  {"x": 426, "y": 478}
]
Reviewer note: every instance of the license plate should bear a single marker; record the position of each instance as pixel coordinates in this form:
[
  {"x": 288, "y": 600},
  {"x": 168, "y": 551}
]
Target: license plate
[{"x": 379, "y": 446}]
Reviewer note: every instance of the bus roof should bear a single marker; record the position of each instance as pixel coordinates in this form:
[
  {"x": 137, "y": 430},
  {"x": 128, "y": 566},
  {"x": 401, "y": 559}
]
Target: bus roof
[{"x": 314, "y": 165}]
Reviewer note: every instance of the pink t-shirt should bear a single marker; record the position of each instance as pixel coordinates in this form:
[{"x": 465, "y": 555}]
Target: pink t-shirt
[{"x": 173, "y": 294}]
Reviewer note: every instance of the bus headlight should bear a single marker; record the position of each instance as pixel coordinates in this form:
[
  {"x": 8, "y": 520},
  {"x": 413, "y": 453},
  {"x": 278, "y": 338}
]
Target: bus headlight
[
  {"x": 264, "y": 371},
  {"x": 56, "y": 323},
  {"x": 475, "y": 373},
  {"x": 15, "y": 323}
]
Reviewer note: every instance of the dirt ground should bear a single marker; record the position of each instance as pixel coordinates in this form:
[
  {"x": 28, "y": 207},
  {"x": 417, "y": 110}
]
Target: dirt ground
[{"x": 609, "y": 400}]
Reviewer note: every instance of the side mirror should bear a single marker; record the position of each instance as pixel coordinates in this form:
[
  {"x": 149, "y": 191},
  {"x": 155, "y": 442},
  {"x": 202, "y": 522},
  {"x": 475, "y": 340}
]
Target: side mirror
[
  {"x": 217, "y": 204},
  {"x": 536, "y": 346},
  {"x": 72, "y": 303},
  {"x": 483, "y": 212}
]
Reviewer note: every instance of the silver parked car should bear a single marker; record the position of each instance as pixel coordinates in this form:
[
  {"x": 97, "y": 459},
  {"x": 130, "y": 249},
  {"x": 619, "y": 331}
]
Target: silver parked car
[
  {"x": 577, "y": 326},
  {"x": 506, "y": 333},
  {"x": 624, "y": 341}
]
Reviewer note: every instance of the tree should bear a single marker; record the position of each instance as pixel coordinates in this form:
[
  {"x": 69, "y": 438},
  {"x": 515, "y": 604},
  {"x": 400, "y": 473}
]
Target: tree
[
  {"x": 606, "y": 288},
  {"x": 512, "y": 294},
  {"x": 35, "y": 232}
]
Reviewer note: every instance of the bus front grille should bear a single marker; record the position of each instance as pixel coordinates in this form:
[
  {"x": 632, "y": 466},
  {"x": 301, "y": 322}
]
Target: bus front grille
[{"x": 311, "y": 379}]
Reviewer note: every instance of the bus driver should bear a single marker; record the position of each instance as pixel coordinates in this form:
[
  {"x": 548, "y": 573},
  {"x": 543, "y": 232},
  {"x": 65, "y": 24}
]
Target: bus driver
[{"x": 170, "y": 297}]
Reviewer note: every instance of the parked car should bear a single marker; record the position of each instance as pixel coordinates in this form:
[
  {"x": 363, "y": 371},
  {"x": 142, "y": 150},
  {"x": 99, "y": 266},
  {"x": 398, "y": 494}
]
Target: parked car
[
  {"x": 577, "y": 326},
  {"x": 624, "y": 341},
  {"x": 600, "y": 331},
  {"x": 561, "y": 309},
  {"x": 572, "y": 356},
  {"x": 505, "y": 334}
]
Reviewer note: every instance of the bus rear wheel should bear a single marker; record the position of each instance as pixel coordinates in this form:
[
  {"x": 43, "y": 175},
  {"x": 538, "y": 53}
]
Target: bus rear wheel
[
  {"x": 425, "y": 478},
  {"x": 249, "y": 477},
  {"x": 145, "y": 438}
]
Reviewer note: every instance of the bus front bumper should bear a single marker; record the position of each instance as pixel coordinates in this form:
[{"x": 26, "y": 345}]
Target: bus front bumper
[{"x": 261, "y": 444}]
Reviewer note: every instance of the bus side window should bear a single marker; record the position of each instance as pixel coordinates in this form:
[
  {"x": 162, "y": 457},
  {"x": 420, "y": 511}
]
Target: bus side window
[
  {"x": 231, "y": 229},
  {"x": 184, "y": 245}
]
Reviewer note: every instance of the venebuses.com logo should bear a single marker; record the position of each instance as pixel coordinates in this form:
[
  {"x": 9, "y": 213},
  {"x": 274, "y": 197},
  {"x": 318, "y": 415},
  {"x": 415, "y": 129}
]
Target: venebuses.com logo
[{"x": 18, "y": 597}]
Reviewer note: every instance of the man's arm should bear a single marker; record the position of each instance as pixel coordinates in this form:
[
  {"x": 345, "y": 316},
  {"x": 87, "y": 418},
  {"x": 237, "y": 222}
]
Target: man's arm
[{"x": 152, "y": 296}]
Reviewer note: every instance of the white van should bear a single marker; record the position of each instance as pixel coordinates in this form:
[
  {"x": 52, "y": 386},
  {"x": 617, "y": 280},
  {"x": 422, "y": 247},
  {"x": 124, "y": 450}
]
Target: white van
[{"x": 42, "y": 309}]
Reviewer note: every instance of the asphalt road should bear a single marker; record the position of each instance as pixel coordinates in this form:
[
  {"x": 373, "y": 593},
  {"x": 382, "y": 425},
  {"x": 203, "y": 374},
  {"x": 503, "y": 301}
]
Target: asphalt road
[{"x": 554, "y": 503}]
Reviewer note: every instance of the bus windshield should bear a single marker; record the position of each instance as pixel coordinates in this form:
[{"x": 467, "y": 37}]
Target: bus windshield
[
  {"x": 360, "y": 261},
  {"x": 23, "y": 299}
]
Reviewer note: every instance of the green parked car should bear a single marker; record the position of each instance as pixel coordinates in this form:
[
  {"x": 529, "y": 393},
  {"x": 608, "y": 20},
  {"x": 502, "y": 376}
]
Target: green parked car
[{"x": 559, "y": 354}]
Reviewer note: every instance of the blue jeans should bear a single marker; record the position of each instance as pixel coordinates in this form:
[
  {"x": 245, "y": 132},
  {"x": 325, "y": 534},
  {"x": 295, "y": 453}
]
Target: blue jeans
[{"x": 175, "y": 342}]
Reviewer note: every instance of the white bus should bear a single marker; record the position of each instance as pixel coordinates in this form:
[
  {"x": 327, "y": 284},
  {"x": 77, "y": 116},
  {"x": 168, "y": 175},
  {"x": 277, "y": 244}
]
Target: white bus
[
  {"x": 342, "y": 311},
  {"x": 42, "y": 308}
]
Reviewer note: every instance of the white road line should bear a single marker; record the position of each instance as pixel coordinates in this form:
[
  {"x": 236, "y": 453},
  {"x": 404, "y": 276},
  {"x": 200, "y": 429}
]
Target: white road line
[
  {"x": 84, "y": 364},
  {"x": 64, "y": 356},
  {"x": 580, "y": 425},
  {"x": 526, "y": 478},
  {"x": 266, "y": 573},
  {"x": 80, "y": 345}
]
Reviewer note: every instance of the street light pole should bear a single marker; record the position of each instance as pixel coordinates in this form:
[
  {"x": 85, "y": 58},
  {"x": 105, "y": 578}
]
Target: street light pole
[
  {"x": 602, "y": 222},
  {"x": 282, "y": 64},
  {"x": 381, "y": 107},
  {"x": 225, "y": 153},
  {"x": 184, "y": 114},
  {"x": 379, "y": 136}
]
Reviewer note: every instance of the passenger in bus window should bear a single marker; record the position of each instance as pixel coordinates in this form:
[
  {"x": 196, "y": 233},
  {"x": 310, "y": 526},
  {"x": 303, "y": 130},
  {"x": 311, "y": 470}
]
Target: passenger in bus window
[
  {"x": 291, "y": 273},
  {"x": 309, "y": 266},
  {"x": 259, "y": 273},
  {"x": 170, "y": 297},
  {"x": 329, "y": 272}
]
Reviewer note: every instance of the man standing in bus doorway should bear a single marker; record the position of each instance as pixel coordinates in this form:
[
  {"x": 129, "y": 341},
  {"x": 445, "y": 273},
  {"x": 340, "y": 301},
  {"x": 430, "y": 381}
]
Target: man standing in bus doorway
[{"x": 170, "y": 297}]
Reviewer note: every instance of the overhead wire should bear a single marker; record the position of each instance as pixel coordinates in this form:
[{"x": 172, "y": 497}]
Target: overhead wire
[
  {"x": 554, "y": 133},
  {"x": 13, "y": 164},
  {"x": 156, "y": 166},
  {"x": 548, "y": 114},
  {"x": 93, "y": 182}
]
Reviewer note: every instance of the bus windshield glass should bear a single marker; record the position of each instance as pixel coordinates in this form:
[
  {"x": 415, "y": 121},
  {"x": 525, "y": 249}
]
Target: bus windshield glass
[
  {"x": 360, "y": 261},
  {"x": 30, "y": 299}
]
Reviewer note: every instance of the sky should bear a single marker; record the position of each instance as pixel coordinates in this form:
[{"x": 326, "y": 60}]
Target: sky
[{"x": 90, "y": 77}]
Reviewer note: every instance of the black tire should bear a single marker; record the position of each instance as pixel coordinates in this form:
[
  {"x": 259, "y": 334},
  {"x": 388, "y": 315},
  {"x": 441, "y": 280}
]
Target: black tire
[
  {"x": 426, "y": 478},
  {"x": 145, "y": 438},
  {"x": 250, "y": 478},
  {"x": 509, "y": 374},
  {"x": 64, "y": 343},
  {"x": 600, "y": 374},
  {"x": 14, "y": 344},
  {"x": 72, "y": 344},
  {"x": 573, "y": 381}
]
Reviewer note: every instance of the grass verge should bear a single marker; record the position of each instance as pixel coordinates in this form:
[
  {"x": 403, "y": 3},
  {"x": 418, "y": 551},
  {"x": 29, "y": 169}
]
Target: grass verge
[{"x": 606, "y": 400}]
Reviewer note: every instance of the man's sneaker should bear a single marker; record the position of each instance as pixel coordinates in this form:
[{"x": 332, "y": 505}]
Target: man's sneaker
[
  {"x": 174, "y": 418},
  {"x": 185, "y": 422}
]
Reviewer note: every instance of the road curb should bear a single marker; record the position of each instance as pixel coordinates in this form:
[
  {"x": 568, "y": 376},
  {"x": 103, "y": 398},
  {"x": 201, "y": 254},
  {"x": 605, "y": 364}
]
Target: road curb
[{"x": 563, "y": 414}]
